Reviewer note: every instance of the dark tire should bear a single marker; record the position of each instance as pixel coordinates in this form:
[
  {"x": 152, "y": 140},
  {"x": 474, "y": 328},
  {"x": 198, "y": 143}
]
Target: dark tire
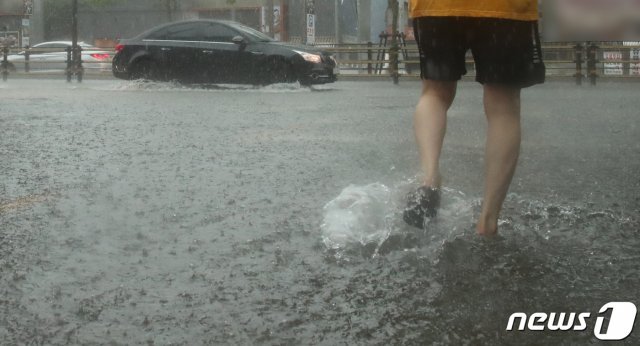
[
  {"x": 146, "y": 69},
  {"x": 306, "y": 83},
  {"x": 279, "y": 71}
]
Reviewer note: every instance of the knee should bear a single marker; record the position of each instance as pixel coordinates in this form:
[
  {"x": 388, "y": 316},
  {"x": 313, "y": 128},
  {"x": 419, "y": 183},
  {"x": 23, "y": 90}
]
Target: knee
[
  {"x": 501, "y": 94},
  {"x": 444, "y": 91},
  {"x": 501, "y": 99}
]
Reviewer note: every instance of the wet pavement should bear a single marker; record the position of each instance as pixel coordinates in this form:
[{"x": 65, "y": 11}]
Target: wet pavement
[{"x": 154, "y": 214}]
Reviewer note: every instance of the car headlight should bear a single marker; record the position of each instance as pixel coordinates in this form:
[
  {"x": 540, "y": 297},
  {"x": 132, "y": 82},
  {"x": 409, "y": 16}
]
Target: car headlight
[{"x": 314, "y": 58}]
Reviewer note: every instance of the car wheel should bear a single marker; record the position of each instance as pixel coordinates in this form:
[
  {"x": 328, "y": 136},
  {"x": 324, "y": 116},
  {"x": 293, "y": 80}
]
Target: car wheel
[
  {"x": 280, "y": 71},
  {"x": 306, "y": 82},
  {"x": 145, "y": 69}
]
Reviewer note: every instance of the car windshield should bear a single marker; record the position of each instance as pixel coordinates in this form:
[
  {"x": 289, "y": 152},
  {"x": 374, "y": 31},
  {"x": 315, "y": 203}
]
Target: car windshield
[{"x": 253, "y": 34}]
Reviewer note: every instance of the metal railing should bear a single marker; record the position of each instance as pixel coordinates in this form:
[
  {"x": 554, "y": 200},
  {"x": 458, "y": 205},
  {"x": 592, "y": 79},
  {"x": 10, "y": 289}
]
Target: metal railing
[
  {"x": 51, "y": 61},
  {"x": 579, "y": 61}
]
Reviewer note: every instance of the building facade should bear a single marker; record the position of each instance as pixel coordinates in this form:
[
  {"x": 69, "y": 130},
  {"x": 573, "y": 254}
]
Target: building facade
[
  {"x": 104, "y": 22},
  {"x": 336, "y": 20},
  {"x": 12, "y": 13}
]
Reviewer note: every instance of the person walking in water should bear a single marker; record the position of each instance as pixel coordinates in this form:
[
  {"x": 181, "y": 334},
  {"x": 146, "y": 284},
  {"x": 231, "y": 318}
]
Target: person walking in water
[{"x": 503, "y": 38}]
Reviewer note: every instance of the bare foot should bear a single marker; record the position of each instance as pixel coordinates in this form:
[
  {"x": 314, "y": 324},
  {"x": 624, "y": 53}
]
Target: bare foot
[
  {"x": 433, "y": 182},
  {"x": 487, "y": 227}
]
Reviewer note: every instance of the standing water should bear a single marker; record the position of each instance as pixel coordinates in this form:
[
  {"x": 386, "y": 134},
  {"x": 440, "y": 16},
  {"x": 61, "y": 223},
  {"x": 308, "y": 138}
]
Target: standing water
[{"x": 157, "y": 214}]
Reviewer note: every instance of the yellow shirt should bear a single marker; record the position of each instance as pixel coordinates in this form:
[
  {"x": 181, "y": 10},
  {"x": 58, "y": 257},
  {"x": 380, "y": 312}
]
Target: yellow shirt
[{"x": 506, "y": 9}]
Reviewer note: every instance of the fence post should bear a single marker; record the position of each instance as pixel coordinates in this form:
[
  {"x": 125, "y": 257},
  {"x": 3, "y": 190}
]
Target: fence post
[
  {"x": 394, "y": 62},
  {"x": 27, "y": 53},
  {"x": 69, "y": 65},
  {"x": 592, "y": 60},
  {"x": 578, "y": 57},
  {"x": 395, "y": 8},
  {"x": 77, "y": 64},
  {"x": 382, "y": 51},
  {"x": 369, "y": 57},
  {"x": 5, "y": 64},
  {"x": 393, "y": 58}
]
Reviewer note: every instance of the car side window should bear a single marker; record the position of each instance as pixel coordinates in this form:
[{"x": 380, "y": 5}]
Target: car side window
[
  {"x": 219, "y": 33},
  {"x": 49, "y": 48},
  {"x": 59, "y": 47},
  {"x": 40, "y": 49},
  {"x": 184, "y": 32},
  {"x": 159, "y": 34}
]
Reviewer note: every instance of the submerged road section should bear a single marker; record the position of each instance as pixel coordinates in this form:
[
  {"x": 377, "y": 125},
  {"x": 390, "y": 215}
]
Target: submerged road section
[{"x": 139, "y": 213}]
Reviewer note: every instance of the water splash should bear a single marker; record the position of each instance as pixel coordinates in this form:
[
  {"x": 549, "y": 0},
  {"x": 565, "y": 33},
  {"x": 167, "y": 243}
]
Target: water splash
[
  {"x": 360, "y": 214},
  {"x": 369, "y": 218},
  {"x": 145, "y": 85},
  {"x": 366, "y": 220}
]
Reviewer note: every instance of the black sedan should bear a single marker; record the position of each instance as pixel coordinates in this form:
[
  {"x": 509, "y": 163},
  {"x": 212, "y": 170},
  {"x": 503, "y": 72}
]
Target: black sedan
[{"x": 213, "y": 51}]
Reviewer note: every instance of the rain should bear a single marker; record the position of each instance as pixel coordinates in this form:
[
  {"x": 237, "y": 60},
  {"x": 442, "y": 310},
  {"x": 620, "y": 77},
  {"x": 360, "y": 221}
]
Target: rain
[{"x": 164, "y": 212}]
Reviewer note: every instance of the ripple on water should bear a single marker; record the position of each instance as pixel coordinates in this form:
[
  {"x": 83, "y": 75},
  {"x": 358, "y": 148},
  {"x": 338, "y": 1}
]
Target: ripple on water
[
  {"x": 364, "y": 214},
  {"x": 445, "y": 285},
  {"x": 145, "y": 85}
]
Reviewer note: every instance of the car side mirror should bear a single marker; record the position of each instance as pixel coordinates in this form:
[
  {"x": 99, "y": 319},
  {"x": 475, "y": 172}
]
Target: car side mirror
[{"x": 238, "y": 40}]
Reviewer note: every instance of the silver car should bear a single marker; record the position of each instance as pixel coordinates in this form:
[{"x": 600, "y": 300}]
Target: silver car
[{"x": 52, "y": 57}]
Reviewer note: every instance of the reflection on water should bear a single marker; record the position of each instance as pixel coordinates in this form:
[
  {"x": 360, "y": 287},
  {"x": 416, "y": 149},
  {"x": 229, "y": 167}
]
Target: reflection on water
[{"x": 145, "y": 85}]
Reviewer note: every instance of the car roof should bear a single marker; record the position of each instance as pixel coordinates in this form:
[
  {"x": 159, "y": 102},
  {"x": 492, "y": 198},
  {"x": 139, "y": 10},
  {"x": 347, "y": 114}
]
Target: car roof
[
  {"x": 199, "y": 20},
  {"x": 68, "y": 43}
]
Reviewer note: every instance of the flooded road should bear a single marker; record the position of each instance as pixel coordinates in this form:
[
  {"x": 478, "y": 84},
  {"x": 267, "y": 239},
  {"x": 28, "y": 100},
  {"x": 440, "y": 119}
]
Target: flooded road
[{"x": 154, "y": 214}]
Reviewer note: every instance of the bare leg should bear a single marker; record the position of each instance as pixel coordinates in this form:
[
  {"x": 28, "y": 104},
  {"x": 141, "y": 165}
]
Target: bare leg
[
  {"x": 430, "y": 125},
  {"x": 502, "y": 108}
]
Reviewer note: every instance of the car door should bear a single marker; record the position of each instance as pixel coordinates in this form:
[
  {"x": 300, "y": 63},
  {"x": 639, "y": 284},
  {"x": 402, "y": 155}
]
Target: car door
[
  {"x": 176, "y": 49},
  {"x": 48, "y": 56},
  {"x": 221, "y": 57}
]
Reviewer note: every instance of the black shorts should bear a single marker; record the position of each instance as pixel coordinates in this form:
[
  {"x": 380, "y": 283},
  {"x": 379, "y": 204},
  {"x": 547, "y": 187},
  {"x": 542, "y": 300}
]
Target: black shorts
[{"x": 505, "y": 51}]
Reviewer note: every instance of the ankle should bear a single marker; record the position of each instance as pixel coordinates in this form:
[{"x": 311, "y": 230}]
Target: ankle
[
  {"x": 434, "y": 181},
  {"x": 487, "y": 225}
]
